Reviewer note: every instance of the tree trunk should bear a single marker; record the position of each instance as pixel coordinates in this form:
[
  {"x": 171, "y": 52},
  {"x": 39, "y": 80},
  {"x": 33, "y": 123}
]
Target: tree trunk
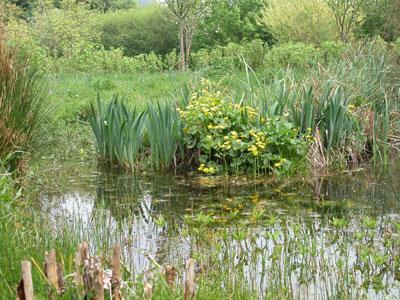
[
  {"x": 188, "y": 42},
  {"x": 182, "y": 44}
]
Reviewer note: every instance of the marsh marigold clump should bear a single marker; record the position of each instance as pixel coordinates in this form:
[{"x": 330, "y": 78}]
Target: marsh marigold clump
[{"x": 235, "y": 138}]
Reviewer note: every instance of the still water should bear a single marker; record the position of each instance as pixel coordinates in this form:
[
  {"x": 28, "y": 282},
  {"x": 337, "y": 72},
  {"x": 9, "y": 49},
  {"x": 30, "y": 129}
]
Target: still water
[{"x": 240, "y": 221}]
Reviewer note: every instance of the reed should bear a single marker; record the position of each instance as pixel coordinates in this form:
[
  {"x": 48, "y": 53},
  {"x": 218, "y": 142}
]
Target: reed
[{"x": 22, "y": 103}]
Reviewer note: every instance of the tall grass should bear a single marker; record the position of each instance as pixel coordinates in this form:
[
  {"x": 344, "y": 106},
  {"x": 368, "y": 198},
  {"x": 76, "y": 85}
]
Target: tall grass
[
  {"x": 349, "y": 103},
  {"x": 164, "y": 134},
  {"x": 22, "y": 102}
]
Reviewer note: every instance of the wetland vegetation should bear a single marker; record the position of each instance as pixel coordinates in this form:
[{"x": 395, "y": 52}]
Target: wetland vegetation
[{"x": 258, "y": 137}]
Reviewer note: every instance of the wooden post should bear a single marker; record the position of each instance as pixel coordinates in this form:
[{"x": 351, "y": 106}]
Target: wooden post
[
  {"x": 25, "y": 288},
  {"x": 148, "y": 291},
  {"x": 51, "y": 272},
  {"x": 93, "y": 278},
  {"x": 189, "y": 282},
  {"x": 60, "y": 277},
  {"x": 84, "y": 250},
  {"x": 78, "y": 263},
  {"x": 170, "y": 274},
  {"x": 116, "y": 272}
]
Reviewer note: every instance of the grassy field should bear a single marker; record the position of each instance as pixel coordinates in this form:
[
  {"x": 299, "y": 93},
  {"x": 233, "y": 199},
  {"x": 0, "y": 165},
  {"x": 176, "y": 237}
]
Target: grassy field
[{"x": 71, "y": 94}]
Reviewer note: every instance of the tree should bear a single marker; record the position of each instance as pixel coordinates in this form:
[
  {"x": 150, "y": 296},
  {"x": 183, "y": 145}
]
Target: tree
[
  {"x": 347, "y": 14},
  {"x": 186, "y": 13},
  {"x": 231, "y": 21},
  {"x": 306, "y": 21}
]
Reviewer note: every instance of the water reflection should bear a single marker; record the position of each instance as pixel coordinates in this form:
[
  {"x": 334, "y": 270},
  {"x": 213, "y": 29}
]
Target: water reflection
[{"x": 146, "y": 215}]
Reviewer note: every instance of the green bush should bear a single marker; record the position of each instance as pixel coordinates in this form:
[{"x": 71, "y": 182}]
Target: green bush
[
  {"x": 172, "y": 60},
  {"x": 60, "y": 31},
  {"x": 234, "y": 138},
  {"x": 200, "y": 59},
  {"x": 332, "y": 50},
  {"x": 139, "y": 30},
  {"x": 306, "y": 21},
  {"x": 19, "y": 36},
  {"x": 297, "y": 55},
  {"x": 231, "y": 56},
  {"x": 254, "y": 53}
]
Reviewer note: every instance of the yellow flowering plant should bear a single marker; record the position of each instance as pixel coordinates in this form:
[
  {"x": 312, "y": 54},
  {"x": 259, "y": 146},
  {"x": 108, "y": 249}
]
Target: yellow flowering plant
[{"x": 233, "y": 138}]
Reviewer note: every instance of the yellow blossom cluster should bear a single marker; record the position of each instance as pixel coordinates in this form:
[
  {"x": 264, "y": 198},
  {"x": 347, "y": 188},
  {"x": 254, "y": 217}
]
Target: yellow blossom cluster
[
  {"x": 280, "y": 163},
  {"x": 204, "y": 169},
  {"x": 309, "y": 137},
  {"x": 260, "y": 142}
]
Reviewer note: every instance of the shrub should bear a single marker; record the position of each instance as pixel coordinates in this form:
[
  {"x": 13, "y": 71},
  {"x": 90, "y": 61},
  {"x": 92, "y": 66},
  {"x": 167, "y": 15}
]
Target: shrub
[
  {"x": 153, "y": 62},
  {"x": 216, "y": 56},
  {"x": 254, "y": 53},
  {"x": 22, "y": 99},
  {"x": 306, "y": 21},
  {"x": 233, "y": 138},
  {"x": 19, "y": 36},
  {"x": 332, "y": 50},
  {"x": 139, "y": 30},
  {"x": 172, "y": 60},
  {"x": 61, "y": 30},
  {"x": 233, "y": 56},
  {"x": 293, "y": 54},
  {"x": 200, "y": 59}
]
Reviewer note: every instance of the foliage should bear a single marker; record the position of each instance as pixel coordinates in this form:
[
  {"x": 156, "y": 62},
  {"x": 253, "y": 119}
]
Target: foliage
[
  {"x": 332, "y": 50},
  {"x": 106, "y": 5},
  {"x": 139, "y": 31},
  {"x": 22, "y": 102},
  {"x": 230, "y": 22},
  {"x": 171, "y": 60},
  {"x": 19, "y": 35},
  {"x": 163, "y": 130},
  {"x": 64, "y": 31},
  {"x": 232, "y": 56},
  {"x": 293, "y": 54},
  {"x": 307, "y": 21},
  {"x": 7, "y": 185},
  {"x": 118, "y": 132},
  {"x": 347, "y": 15},
  {"x": 234, "y": 138}
]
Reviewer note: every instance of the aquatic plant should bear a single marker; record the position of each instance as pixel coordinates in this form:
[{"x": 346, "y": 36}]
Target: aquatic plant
[
  {"x": 234, "y": 138},
  {"x": 163, "y": 128},
  {"x": 118, "y": 132}
]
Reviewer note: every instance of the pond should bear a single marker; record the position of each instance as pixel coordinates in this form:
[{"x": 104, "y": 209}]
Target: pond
[{"x": 332, "y": 236}]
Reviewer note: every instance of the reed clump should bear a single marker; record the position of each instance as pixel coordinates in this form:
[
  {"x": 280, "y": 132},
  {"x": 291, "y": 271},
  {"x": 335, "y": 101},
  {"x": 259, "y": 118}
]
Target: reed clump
[{"x": 22, "y": 103}]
